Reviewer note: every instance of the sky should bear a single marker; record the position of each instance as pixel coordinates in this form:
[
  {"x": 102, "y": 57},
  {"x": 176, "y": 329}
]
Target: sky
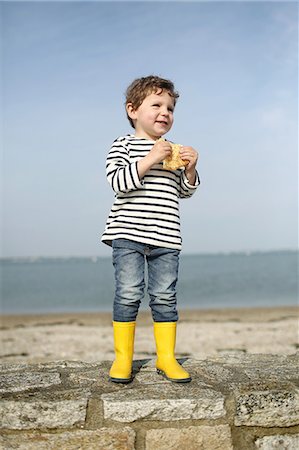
[{"x": 65, "y": 68}]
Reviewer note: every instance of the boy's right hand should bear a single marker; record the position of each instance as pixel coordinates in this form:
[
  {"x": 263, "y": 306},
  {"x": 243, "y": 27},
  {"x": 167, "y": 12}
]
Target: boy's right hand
[{"x": 160, "y": 150}]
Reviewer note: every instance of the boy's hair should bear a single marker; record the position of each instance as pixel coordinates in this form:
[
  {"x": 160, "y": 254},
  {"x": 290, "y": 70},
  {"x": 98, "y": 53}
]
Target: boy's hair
[{"x": 142, "y": 87}]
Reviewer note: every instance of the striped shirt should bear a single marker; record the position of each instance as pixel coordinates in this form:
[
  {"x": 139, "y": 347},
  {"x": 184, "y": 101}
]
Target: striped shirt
[{"x": 145, "y": 210}]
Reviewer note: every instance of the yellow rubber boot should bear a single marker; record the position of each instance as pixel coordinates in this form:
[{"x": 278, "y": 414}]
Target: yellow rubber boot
[
  {"x": 167, "y": 365},
  {"x": 121, "y": 369}
]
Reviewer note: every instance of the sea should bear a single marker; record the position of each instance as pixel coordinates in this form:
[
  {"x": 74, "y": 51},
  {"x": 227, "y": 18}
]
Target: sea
[{"x": 86, "y": 284}]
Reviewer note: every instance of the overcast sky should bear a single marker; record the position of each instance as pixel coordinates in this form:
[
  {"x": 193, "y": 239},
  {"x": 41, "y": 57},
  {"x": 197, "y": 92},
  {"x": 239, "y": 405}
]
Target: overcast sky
[{"x": 66, "y": 66}]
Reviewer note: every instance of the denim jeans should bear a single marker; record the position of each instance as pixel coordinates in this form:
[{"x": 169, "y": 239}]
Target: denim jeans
[{"x": 129, "y": 258}]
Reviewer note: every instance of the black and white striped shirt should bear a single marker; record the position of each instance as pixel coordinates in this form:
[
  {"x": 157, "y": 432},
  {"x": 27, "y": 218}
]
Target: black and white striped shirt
[{"x": 145, "y": 210}]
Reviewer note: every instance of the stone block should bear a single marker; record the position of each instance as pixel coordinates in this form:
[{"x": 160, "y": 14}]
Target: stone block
[
  {"x": 62, "y": 364},
  {"x": 21, "y": 415},
  {"x": 216, "y": 437},
  {"x": 165, "y": 403},
  {"x": 255, "y": 368},
  {"x": 278, "y": 442},
  {"x": 12, "y": 367},
  {"x": 102, "y": 439},
  {"x": 24, "y": 381},
  {"x": 268, "y": 408},
  {"x": 95, "y": 379},
  {"x": 150, "y": 378}
]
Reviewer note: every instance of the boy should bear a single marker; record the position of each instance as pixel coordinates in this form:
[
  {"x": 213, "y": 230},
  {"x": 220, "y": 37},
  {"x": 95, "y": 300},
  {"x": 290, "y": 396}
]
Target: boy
[{"x": 144, "y": 224}]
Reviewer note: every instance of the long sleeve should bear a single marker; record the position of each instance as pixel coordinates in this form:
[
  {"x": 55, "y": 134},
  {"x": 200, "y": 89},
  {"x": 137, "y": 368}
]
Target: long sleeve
[
  {"x": 121, "y": 173},
  {"x": 186, "y": 189}
]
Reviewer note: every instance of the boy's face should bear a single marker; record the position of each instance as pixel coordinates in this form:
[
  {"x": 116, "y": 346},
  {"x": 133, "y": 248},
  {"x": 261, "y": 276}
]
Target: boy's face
[{"x": 154, "y": 117}]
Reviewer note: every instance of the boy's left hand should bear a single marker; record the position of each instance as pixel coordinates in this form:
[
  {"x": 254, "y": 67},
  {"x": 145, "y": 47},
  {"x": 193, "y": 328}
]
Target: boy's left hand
[{"x": 189, "y": 154}]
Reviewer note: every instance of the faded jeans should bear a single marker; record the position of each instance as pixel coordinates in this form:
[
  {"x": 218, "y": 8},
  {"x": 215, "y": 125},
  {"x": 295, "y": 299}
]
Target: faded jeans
[{"x": 129, "y": 259}]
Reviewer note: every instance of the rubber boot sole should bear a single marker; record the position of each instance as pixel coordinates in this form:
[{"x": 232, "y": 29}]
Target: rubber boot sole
[
  {"x": 121, "y": 380},
  {"x": 174, "y": 380}
]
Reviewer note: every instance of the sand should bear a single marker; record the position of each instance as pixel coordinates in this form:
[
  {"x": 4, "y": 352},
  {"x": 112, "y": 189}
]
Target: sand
[{"x": 88, "y": 336}]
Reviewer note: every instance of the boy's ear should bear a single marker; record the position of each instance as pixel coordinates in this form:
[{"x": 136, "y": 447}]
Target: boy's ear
[{"x": 131, "y": 111}]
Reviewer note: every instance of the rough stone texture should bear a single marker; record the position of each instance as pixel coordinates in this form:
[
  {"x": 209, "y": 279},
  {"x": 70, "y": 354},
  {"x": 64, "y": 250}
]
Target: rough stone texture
[
  {"x": 103, "y": 439},
  {"x": 18, "y": 382},
  {"x": 20, "y": 415},
  {"x": 234, "y": 397},
  {"x": 164, "y": 403},
  {"x": 240, "y": 369},
  {"x": 280, "y": 442},
  {"x": 268, "y": 409},
  {"x": 191, "y": 438}
]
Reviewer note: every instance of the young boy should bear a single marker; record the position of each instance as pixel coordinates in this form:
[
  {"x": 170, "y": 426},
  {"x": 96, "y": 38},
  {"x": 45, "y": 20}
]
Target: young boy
[{"x": 144, "y": 225}]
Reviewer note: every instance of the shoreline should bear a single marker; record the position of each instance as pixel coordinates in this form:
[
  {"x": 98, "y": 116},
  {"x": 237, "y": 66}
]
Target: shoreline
[
  {"x": 245, "y": 314},
  {"x": 43, "y": 338}
]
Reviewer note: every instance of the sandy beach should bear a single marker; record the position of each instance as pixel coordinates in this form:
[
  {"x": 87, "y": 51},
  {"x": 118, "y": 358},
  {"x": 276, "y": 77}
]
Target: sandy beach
[{"x": 88, "y": 336}]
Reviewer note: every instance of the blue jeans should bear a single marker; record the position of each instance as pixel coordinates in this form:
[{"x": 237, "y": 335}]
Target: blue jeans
[{"x": 129, "y": 259}]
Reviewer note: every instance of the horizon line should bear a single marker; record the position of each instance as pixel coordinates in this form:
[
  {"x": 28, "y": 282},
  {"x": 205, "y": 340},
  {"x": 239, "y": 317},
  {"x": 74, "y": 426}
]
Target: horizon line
[{"x": 95, "y": 257}]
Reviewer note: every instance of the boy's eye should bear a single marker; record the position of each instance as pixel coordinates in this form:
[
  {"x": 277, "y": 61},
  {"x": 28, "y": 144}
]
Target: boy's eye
[{"x": 156, "y": 105}]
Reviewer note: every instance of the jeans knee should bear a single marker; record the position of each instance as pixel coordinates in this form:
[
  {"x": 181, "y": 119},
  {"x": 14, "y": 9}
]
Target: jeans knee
[
  {"x": 125, "y": 312},
  {"x": 164, "y": 308},
  {"x": 164, "y": 314}
]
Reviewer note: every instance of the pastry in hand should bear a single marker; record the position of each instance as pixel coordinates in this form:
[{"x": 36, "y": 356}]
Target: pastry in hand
[{"x": 174, "y": 161}]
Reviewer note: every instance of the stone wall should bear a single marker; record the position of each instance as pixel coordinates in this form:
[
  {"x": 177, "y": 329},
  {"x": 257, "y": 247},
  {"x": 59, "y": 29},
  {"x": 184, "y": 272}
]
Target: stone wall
[{"x": 235, "y": 401}]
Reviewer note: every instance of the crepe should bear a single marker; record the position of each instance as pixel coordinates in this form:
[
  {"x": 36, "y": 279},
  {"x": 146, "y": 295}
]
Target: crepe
[{"x": 174, "y": 161}]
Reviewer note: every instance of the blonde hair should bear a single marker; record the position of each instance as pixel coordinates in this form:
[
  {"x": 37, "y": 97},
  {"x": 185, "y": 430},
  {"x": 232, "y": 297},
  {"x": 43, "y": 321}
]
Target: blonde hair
[{"x": 140, "y": 88}]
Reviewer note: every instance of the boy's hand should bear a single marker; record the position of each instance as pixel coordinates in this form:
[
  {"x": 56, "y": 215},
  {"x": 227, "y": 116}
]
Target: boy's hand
[
  {"x": 191, "y": 155},
  {"x": 160, "y": 150}
]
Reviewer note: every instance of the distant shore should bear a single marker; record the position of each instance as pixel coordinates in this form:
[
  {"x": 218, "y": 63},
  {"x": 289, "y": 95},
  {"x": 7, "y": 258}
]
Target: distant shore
[
  {"x": 144, "y": 317},
  {"x": 201, "y": 333}
]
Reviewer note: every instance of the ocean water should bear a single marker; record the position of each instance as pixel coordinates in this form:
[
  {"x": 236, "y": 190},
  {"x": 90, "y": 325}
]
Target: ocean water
[{"x": 53, "y": 285}]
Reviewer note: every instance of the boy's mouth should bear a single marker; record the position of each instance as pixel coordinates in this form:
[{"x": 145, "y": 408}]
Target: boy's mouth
[{"x": 162, "y": 122}]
